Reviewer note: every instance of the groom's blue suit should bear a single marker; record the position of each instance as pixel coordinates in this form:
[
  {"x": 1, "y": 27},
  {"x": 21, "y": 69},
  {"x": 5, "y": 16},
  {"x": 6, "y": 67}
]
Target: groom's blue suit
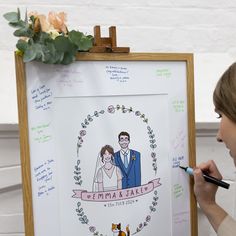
[{"x": 131, "y": 176}]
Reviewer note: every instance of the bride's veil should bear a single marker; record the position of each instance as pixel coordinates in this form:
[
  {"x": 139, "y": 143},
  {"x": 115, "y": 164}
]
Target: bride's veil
[{"x": 99, "y": 164}]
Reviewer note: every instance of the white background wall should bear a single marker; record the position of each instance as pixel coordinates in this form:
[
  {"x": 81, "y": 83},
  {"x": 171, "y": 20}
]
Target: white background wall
[{"x": 204, "y": 28}]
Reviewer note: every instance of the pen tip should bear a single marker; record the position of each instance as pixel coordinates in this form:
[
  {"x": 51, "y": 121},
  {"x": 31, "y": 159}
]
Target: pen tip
[{"x": 182, "y": 167}]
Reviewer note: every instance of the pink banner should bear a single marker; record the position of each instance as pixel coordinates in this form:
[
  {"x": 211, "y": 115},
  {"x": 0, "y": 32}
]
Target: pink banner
[{"x": 117, "y": 195}]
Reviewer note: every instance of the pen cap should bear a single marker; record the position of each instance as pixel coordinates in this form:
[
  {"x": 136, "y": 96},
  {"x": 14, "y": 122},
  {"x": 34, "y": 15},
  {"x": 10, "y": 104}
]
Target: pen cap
[{"x": 189, "y": 171}]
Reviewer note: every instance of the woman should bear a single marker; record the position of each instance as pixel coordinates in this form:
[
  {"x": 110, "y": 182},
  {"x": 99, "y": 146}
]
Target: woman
[
  {"x": 224, "y": 98},
  {"x": 108, "y": 176}
]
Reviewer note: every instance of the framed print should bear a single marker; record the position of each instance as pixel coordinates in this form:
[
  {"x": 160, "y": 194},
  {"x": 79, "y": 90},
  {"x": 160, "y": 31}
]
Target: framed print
[{"x": 101, "y": 143}]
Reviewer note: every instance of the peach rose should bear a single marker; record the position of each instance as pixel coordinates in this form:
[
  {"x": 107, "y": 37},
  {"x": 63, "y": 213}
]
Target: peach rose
[
  {"x": 33, "y": 13},
  {"x": 37, "y": 26},
  {"x": 45, "y": 26},
  {"x": 57, "y": 20}
]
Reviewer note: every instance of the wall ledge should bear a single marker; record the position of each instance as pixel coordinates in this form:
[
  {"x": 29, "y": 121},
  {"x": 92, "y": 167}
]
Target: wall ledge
[
  {"x": 9, "y": 131},
  {"x": 203, "y": 129}
]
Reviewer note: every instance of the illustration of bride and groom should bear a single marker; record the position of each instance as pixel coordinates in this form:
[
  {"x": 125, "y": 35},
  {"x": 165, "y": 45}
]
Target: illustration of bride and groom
[{"x": 117, "y": 170}]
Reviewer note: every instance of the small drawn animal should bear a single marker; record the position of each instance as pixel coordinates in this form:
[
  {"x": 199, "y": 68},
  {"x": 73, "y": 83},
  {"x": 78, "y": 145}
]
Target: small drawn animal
[{"x": 116, "y": 229}]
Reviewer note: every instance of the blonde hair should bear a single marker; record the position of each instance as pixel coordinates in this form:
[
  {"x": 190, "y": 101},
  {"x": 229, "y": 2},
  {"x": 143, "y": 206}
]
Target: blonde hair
[{"x": 224, "y": 96}]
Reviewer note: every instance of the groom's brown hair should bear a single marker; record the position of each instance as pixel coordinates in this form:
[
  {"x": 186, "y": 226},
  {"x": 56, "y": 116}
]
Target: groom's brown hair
[{"x": 124, "y": 133}]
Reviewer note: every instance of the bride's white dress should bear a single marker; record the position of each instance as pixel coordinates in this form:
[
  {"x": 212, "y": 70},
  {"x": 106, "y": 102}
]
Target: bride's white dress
[
  {"x": 109, "y": 182},
  {"x": 100, "y": 176}
]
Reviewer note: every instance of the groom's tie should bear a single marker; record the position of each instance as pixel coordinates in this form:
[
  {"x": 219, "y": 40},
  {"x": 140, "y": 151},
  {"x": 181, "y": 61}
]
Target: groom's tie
[{"x": 126, "y": 160}]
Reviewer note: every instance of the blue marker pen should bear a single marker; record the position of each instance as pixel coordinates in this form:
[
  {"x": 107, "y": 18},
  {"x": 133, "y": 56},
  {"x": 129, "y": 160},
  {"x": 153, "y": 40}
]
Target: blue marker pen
[{"x": 208, "y": 178}]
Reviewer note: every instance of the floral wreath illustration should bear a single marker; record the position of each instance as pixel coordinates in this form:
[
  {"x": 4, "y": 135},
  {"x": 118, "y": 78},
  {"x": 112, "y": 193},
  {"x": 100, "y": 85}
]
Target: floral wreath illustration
[{"x": 77, "y": 172}]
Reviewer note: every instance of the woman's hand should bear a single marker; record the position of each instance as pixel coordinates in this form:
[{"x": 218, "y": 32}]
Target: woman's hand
[{"x": 205, "y": 192}]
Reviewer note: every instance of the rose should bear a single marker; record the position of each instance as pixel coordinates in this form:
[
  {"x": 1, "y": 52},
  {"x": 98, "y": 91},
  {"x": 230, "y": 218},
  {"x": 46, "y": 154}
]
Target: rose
[
  {"x": 57, "y": 20},
  {"x": 54, "y": 23},
  {"x": 41, "y": 23}
]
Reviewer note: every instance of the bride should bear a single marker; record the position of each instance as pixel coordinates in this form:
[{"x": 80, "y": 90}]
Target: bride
[{"x": 108, "y": 177}]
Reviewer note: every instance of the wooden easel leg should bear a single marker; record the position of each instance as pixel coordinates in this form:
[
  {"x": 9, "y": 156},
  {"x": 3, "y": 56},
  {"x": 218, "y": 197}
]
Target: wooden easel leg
[
  {"x": 97, "y": 35},
  {"x": 112, "y": 35}
]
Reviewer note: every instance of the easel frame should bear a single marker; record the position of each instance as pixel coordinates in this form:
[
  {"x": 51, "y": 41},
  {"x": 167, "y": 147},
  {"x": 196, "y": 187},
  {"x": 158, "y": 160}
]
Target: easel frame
[{"x": 24, "y": 129}]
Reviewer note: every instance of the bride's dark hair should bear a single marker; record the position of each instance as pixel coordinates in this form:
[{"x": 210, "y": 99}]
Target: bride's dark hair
[{"x": 109, "y": 149}]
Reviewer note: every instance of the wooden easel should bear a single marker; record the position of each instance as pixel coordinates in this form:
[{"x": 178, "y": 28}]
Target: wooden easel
[{"x": 106, "y": 44}]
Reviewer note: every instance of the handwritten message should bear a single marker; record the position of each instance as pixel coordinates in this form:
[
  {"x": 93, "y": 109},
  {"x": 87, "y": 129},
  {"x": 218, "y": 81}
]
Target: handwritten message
[
  {"x": 65, "y": 81},
  {"x": 43, "y": 174},
  {"x": 163, "y": 73},
  {"x": 69, "y": 82},
  {"x": 178, "y": 105},
  {"x": 42, "y": 97},
  {"x": 41, "y": 133},
  {"x": 118, "y": 73},
  {"x": 178, "y": 190},
  {"x": 181, "y": 217},
  {"x": 179, "y": 141},
  {"x": 176, "y": 161}
]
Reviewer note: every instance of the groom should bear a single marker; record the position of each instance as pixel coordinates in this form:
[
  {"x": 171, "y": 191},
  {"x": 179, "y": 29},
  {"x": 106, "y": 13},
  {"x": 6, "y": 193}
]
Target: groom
[{"x": 128, "y": 161}]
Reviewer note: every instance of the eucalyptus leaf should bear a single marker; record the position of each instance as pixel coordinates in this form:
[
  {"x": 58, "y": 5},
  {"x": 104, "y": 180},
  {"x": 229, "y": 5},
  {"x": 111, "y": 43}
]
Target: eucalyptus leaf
[
  {"x": 29, "y": 54},
  {"x": 63, "y": 44},
  {"x": 67, "y": 59},
  {"x": 45, "y": 54},
  {"x": 58, "y": 57},
  {"x": 18, "y": 24},
  {"x": 18, "y": 13},
  {"x": 12, "y": 17},
  {"x": 43, "y": 37},
  {"x": 90, "y": 37},
  {"x": 50, "y": 55},
  {"x": 26, "y": 17},
  {"x": 32, "y": 19},
  {"x": 38, "y": 50},
  {"x": 85, "y": 43},
  {"x": 23, "y": 32},
  {"x": 75, "y": 37},
  {"x": 30, "y": 41},
  {"x": 22, "y": 45}
]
